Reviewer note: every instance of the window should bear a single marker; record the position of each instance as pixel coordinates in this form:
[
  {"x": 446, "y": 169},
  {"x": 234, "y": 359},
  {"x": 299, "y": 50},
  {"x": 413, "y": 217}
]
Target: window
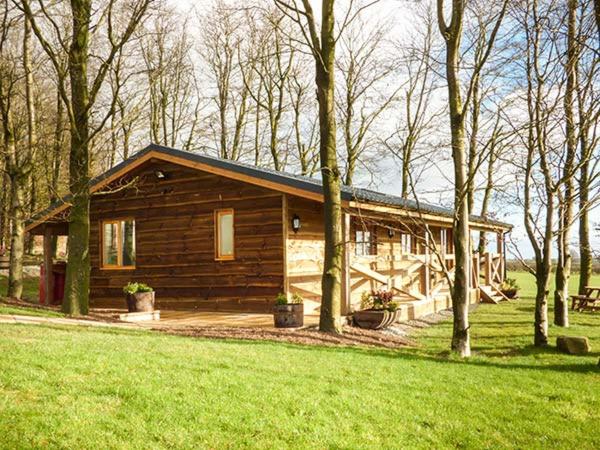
[
  {"x": 366, "y": 244},
  {"x": 224, "y": 234},
  {"x": 406, "y": 243},
  {"x": 118, "y": 244}
]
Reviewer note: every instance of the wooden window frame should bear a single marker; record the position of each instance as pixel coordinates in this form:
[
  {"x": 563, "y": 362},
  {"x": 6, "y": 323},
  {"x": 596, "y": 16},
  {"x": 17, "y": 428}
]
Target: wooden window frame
[
  {"x": 406, "y": 243},
  {"x": 119, "y": 265},
  {"x": 372, "y": 243},
  {"x": 218, "y": 214}
]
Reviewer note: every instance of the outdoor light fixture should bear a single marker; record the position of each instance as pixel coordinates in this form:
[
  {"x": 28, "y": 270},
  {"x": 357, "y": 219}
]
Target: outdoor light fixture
[
  {"x": 160, "y": 174},
  {"x": 295, "y": 223},
  {"x": 391, "y": 233}
]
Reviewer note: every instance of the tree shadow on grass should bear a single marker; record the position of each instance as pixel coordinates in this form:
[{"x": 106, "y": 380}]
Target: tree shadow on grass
[{"x": 481, "y": 355}]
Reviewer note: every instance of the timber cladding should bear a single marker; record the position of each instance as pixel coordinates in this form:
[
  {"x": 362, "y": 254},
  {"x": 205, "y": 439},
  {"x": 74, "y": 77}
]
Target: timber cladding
[{"x": 175, "y": 240}]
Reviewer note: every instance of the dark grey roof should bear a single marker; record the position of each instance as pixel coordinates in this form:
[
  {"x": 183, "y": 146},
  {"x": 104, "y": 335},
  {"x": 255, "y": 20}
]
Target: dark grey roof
[{"x": 305, "y": 183}]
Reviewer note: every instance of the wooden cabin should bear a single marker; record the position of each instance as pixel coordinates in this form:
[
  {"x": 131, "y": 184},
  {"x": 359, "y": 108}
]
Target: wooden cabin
[{"x": 213, "y": 234}]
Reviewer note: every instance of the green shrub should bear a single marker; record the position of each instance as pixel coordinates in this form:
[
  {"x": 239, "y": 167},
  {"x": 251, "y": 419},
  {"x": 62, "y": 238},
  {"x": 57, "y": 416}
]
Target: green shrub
[
  {"x": 282, "y": 299},
  {"x": 134, "y": 288},
  {"x": 509, "y": 284}
]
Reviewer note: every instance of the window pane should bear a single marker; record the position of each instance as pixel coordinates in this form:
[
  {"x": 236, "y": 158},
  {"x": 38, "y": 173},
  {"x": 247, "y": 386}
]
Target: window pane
[
  {"x": 225, "y": 231},
  {"x": 110, "y": 244},
  {"x": 128, "y": 239}
]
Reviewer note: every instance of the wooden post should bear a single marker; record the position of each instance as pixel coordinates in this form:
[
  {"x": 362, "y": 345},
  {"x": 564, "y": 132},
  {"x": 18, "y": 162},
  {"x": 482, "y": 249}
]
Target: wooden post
[
  {"x": 49, "y": 279},
  {"x": 285, "y": 227},
  {"x": 346, "y": 289},
  {"x": 488, "y": 268},
  {"x": 427, "y": 270},
  {"x": 500, "y": 250}
]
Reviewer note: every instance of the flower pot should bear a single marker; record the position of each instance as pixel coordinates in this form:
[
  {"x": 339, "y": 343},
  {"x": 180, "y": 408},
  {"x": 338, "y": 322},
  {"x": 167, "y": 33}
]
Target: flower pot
[
  {"x": 375, "y": 319},
  {"x": 510, "y": 293},
  {"x": 290, "y": 315},
  {"x": 140, "y": 302}
]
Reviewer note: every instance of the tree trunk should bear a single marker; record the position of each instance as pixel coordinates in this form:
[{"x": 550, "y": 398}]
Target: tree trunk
[
  {"x": 4, "y": 211},
  {"x": 597, "y": 15},
  {"x": 332, "y": 265},
  {"x": 542, "y": 278},
  {"x": 31, "y": 120},
  {"x": 76, "y": 298},
  {"x": 17, "y": 236},
  {"x": 585, "y": 249},
  {"x": 563, "y": 266},
  {"x": 56, "y": 159},
  {"x": 460, "y": 231}
]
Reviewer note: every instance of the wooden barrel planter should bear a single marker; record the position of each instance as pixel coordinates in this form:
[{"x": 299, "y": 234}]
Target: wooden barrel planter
[
  {"x": 140, "y": 302},
  {"x": 375, "y": 319},
  {"x": 290, "y": 315},
  {"x": 510, "y": 293}
]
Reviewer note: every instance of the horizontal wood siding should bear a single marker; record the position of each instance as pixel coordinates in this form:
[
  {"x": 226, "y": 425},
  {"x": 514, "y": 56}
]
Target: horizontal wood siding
[
  {"x": 305, "y": 251},
  {"x": 175, "y": 241}
]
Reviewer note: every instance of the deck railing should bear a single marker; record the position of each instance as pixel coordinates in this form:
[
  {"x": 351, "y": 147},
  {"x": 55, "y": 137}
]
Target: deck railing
[{"x": 433, "y": 273}]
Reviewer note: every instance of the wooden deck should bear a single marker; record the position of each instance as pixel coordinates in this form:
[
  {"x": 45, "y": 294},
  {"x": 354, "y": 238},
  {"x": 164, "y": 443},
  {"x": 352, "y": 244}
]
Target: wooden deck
[{"x": 170, "y": 318}]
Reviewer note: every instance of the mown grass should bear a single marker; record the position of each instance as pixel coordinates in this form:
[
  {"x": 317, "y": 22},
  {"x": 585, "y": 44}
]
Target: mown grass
[
  {"x": 90, "y": 388},
  {"x": 30, "y": 288},
  {"x": 24, "y": 311}
]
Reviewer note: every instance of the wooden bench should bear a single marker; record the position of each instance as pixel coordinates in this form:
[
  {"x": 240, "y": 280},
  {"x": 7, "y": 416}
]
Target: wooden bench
[{"x": 589, "y": 300}]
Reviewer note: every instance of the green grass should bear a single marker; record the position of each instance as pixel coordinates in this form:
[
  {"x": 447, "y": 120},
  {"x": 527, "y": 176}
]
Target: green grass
[
  {"x": 30, "y": 288},
  {"x": 24, "y": 311},
  {"x": 91, "y": 388}
]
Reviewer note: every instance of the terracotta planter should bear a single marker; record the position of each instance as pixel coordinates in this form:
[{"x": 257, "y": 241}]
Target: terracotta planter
[
  {"x": 290, "y": 315},
  {"x": 140, "y": 302},
  {"x": 375, "y": 319}
]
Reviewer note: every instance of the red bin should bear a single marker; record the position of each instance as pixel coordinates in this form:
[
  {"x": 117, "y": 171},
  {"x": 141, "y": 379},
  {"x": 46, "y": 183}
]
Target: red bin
[{"x": 58, "y": 276}]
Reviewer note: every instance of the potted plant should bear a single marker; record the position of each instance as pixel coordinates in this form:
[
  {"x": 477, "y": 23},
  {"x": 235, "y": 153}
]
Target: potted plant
[
  {"x": 510, "y": 288},
  {"x": 140, "y": 297},
  {"x": 288, "y": 313},
  {"x": 378, "y": 310}
]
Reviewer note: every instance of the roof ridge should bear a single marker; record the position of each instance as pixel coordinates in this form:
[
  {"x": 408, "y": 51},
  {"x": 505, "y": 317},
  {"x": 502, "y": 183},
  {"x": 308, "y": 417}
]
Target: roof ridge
[{"x": 350, "y": 193}]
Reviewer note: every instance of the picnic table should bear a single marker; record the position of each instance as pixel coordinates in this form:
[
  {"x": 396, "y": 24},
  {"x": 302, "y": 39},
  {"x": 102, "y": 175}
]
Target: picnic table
[{"x": 589, "y": 300}]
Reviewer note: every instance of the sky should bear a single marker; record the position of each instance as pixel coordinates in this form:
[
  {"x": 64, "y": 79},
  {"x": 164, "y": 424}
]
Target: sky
[{"x": 433, "y": 184}]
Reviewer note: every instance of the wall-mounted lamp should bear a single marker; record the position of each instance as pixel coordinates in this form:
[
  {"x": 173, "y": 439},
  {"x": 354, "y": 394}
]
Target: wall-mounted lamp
[
  {"x": 295, "y": 223},
  {"x": 391, "y": 233},
  {"x": 160, "y": 174}
]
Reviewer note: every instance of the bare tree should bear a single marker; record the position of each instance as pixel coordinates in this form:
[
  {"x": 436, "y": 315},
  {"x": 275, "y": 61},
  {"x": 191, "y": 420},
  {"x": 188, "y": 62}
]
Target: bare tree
[
  {"x": 304, "y": 122},
  {"x": 452, "y": 33},
  {"x": 588, "y": 110},
  {"x": 567, "y": 196},
  {"x": 272, "y": 67},
  {"x": 363, "y": 94},
  {"x": 79, "y": 102},
  {"x": 222, "y": 42},
  {"x": 543, "y": 144},
  {"x": 418, "y": 117},
  {"x": 175, "y": 100},
  {"x": 322, "y": 44},
  {"x": 16, "y": 161}
]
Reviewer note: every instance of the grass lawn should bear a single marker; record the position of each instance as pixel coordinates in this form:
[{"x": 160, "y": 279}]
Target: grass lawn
[
  {"x": 30, "y": 288},
  {"x": 95, "y": 388},
  {"x": 24, "y": 311}
]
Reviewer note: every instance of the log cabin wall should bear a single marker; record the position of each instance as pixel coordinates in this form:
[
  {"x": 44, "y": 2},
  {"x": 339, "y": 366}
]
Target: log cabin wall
[
  {"x": 175, "y": 241},
  {"x": 306, "y": 248},
  {"x": 305, "y": 251}
]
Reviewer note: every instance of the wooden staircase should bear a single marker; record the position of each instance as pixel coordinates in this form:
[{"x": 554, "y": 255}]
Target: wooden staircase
[{"x": 490, "y": 294}]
